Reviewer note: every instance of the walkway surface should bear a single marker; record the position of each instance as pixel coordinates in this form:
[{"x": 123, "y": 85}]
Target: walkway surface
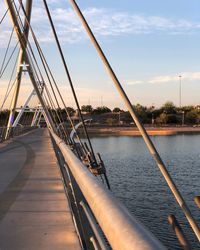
[{"x": 34, "y": 211}]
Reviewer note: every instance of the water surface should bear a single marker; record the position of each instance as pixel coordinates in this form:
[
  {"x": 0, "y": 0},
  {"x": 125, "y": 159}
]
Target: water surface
[{"x": 137, "y": 182}]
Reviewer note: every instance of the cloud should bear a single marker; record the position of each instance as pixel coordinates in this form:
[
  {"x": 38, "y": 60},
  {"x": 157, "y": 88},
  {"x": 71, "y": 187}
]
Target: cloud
[
  {"x": 136, "y": 82},
  {"x": 188, "y": 76},
  {"x": 104, "y": 23},
  {"x": 163, "y": 79}
]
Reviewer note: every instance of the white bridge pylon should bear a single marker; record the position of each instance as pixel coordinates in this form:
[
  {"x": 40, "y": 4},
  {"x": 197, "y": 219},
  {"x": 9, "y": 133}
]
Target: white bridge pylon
[
  {"x": 38, "y": 111},
  {"x": 24, "y": 60}
]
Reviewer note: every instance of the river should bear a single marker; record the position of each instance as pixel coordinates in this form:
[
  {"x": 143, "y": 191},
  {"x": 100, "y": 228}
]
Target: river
[{"x": 136, "y": 181}]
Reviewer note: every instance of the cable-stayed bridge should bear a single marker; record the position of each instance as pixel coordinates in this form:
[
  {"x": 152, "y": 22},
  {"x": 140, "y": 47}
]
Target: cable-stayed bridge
[{"x": 54, "y": 188}]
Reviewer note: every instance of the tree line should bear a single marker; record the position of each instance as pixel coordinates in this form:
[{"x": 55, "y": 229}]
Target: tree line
[{"x": 168, "y": 113}]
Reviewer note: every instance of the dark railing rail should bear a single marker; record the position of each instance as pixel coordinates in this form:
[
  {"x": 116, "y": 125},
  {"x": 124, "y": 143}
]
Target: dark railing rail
[{"x": 13, "y": 132}]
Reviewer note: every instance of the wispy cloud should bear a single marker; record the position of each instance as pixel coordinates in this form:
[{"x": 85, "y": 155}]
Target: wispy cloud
[
  {"x": 134, "y": 82},
  {"x": 163, "y": 79},
  {"x": 188, "y": 76},
  {"x": 104, "y": 23}
]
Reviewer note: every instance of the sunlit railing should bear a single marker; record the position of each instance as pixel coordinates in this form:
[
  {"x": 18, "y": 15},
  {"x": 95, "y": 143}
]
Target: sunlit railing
[{"x": 121, "y": 229}]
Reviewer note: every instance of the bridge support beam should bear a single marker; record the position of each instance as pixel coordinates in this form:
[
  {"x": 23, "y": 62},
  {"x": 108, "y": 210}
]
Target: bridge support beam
[
  {"x": 23, "y": 45},
  {"x": 19, "y": 69},
  {"x": 23, "y": 109}
]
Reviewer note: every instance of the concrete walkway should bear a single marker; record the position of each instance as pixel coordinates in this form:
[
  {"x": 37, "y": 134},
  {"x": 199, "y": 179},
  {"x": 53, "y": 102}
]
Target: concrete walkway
[{"x": 34, "y": 211}]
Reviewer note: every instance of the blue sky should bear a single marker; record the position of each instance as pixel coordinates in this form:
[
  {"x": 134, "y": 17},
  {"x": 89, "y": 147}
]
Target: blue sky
[{"x": 149, "y": 43}]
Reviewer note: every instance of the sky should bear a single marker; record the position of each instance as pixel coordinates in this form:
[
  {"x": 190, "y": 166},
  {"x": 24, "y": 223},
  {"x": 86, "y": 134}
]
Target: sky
[{"x": 149, "y": 44}]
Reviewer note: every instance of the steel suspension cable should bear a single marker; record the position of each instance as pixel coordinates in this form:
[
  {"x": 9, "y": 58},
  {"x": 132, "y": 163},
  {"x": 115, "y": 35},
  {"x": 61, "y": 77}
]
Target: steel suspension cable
[
  {"x": 7, "y": 48},
  {"x": 31, "y": 55},
  {"x": 153, "y": 151},
  {"x": 61, "y": 98},
  {"x": 30, "y": 47},
  {"x": 59, "y": 117},
  {"x": 12, "y": 73},
  {"x": 29, "y": 51},
  {"x": 47, "y": 70},
  {"x": 4, "y": 15},
  {"x": 26, "y": 59},
  {"x": 53, "y": 111},
  {"x": 9, "y": 83},
  {"x": 4, "y": 69},
  {"x": 6, "y": 97},
  {"x": 51, "y": 107},
  {"x": 53, "y": 91},
  {"x": 69, "y": 77}
]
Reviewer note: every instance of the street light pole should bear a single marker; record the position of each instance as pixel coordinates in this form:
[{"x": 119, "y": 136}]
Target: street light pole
[
  {"x": 180, "y": 98},
  {"x": 180, "y": 90},
  {"x": 183, "y": 117}
]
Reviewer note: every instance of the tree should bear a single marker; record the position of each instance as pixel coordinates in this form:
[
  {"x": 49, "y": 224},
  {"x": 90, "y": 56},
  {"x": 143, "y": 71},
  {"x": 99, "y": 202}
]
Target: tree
[
  {"x": 87, "y": 108},
  {"x": 171, "y": 118},
  {"x": 4, "y": 117},
  {"x": 186, "y": 108},
  {"x": 141, "y": 111},
  {"x": 116, "y": 110},
  {"x": 101, "y": 110},
  {"x": 70, "y": 110},
  {"x": 192, "y": 117},
  {"x": 169, "y": 108},
  {"x": 111, "y": 121},
  {"x": 162, "y": 119}
]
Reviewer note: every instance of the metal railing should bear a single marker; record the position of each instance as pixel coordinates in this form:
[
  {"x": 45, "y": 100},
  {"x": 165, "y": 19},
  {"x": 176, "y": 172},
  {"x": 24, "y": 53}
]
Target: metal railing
[
  {"x": 13, "y": 131},
  {"x": 122, "y": 230},
  {"x": 151, "y": 147}
]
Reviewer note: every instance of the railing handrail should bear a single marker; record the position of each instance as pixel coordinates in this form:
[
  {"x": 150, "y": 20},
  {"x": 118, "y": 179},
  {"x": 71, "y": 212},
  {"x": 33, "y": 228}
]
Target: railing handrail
[
  {"x": 123, "y": 230},
  {"x": 14, "y": 131}
]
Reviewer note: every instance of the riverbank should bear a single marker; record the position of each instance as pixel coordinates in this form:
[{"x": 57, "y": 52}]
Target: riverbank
[{"x": 133, "y": 131}]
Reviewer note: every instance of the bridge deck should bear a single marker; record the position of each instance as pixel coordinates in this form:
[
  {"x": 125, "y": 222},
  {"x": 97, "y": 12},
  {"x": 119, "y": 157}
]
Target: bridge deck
[{"x": 34, "y": 211}]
